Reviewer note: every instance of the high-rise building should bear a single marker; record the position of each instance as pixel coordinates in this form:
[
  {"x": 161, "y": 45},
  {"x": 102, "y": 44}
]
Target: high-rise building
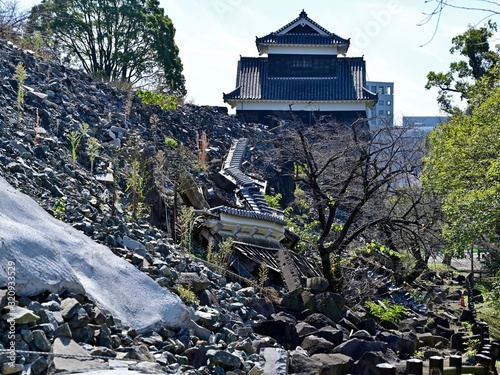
[{"x": 383, "y": 112}]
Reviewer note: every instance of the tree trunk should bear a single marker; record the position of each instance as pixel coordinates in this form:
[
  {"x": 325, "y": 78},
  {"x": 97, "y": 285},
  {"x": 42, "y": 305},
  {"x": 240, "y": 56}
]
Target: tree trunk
[
  {"x": 420, "y": 267},
  {"x": 326, "y": 265},
  {"x": 332, "y": 274},
  {"x": 447, "y": 259}
]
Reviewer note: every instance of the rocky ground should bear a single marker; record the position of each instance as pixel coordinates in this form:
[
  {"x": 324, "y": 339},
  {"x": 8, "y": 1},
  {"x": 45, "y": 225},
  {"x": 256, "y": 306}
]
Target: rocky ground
[{"x": 243, "y": 330}]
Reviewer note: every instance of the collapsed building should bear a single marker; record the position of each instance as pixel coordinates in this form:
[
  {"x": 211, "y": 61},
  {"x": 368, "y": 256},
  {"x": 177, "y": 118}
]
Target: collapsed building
[{"x": 258, "y": 231}]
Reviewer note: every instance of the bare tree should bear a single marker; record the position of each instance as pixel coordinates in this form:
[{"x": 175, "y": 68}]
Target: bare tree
[
  {"x": 12, "y": 18},
  {"x": 360, "y": 184}
]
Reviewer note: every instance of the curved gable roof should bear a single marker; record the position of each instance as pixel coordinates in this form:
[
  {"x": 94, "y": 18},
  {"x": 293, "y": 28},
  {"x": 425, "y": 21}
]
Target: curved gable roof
[{"x": 302, "y": 31}]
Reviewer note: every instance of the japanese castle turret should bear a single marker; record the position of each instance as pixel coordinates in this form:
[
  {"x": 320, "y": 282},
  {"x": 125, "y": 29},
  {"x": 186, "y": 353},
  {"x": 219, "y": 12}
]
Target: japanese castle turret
[{"x": 302, "y": 73}]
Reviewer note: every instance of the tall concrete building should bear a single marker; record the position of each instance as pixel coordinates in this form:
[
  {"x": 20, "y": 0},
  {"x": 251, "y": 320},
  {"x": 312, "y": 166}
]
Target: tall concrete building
[{"x": 383, "y": 111}]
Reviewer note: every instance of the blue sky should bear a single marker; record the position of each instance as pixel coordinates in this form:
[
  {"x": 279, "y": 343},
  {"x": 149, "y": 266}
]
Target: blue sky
[{"x": 212, "y": 34}]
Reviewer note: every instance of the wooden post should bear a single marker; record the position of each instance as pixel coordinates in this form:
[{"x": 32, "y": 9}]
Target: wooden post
[
  {"x": 485, "y": 361},
  {"x": 414, "y": 367},
  {"x": 386, "y": 369},
  {"x": 484, "y": 330},
  {"x": 456, "y": 361},
  {"x": 495, "y": 348},
  {"x": 436, "y": 365}
]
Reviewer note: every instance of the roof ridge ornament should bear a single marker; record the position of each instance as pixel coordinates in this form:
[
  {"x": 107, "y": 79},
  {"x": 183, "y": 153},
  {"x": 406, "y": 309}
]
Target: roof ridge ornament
[{"x": 303, "y": 14}]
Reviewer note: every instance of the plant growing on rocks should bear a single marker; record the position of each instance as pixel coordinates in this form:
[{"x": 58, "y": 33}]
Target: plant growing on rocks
[
  {"x": 383, "y": 311},
  {"x": 220, "y": 257},
  {"x": 21, "y": 76},
  {"x": 165, "y": 102},
  {"x": 74, "y": 138},
  {"x": 263, "y": 275},
  {"x": 93, "y": 151},
  {"x": 170, "y": 142},
  {"x": 273, "y": 201},
  {"x": 186, "y": 294},
  {"x": 471, "y": 347},
  {"x": 209, "y": 252},
  {"x": 135, "y": 185},
  {"x": 35, "y": 42},
  {"x": 60, "y": 208},
  {"x": 185, "y": 223}
]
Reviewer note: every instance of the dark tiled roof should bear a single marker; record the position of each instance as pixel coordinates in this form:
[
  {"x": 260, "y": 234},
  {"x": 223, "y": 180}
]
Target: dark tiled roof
[
  {"x": 301, "y": 39},
  {"x": 269, "y": 256},
  {"x": 253, "y": 83},
  {"x": 248, "y": 214},
  {"x": 248, "y": 190},
  {"x": 323, "y": 38}
]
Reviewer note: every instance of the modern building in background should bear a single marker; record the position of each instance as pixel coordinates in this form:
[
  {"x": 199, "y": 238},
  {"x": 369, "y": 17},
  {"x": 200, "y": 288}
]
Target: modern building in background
[
  {"x": 423, "y": 124},
  {"x": 302, "y": 73},
  {"x": 383, "y": 112}
]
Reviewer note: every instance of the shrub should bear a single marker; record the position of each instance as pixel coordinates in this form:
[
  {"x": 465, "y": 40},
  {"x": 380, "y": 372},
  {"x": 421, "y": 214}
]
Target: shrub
[
  {"x": 170, "y": 142},
  {"x": 185, "y": 223},
  {"x": 273, "y": 201},
  {"x": 220, "y": 257},
  {"x": 384, "y": 311},
  {"x": 60, "y": 208},
  {"x": 186, "y": 294},
  {"x": 166, "y": 102}
]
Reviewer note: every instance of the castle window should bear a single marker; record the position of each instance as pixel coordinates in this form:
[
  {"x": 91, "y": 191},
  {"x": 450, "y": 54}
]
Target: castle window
[{"x": 302, "y": 66}]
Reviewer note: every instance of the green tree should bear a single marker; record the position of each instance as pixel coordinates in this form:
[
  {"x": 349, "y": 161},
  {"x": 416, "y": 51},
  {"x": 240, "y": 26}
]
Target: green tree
[
  {"x": 118, "y": 40},
  {"x": 463, "y": 168},
  {"x": 481, "y": 62}
]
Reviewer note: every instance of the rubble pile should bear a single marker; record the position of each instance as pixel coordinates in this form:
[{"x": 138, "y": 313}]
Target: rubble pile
[{"x": 233, "y": 327}]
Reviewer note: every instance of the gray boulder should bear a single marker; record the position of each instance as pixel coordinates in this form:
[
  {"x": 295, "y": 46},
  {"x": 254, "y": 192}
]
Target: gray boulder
[
  {"x": 355, "y": 348},
  {"x": 225, "y": 360},
  {"x": 314, "y": 344},
  {"x": 334, "y": 364},
  {"x": 301, "y": 363}
]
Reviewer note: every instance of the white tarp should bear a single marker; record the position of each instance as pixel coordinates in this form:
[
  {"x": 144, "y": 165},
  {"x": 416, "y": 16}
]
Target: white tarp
[{"x": 51, "y": 255}]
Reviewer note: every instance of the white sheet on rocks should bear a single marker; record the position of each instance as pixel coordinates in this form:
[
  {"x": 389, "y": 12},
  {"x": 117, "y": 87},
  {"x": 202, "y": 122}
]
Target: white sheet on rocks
[{"x": 51, "y": 255}]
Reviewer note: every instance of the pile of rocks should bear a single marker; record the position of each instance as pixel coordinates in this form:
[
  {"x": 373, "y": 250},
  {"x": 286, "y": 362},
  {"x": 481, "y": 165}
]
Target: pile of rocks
[
  {"x": 238, "y": 330},
  {"x": 35, "y": 152}
]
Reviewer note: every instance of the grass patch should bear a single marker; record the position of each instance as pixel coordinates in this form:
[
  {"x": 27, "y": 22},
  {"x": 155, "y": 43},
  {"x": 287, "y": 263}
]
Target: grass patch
[
  {"x": 490, "y": 315},
  {"x": 439, "y": 267}
]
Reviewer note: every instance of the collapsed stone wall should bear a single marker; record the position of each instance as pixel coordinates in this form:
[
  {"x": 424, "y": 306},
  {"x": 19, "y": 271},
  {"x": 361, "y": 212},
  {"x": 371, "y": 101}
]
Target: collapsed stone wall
[{"x": 35, "y": 153}]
